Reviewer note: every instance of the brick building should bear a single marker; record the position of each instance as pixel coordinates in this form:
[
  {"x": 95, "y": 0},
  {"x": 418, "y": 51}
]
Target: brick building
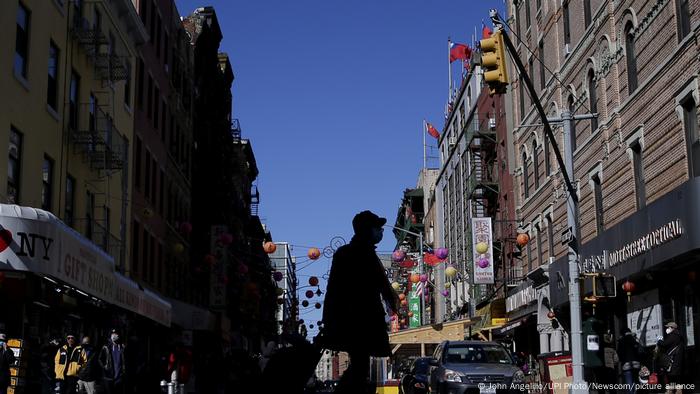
[{"x": 635, "y": 64}]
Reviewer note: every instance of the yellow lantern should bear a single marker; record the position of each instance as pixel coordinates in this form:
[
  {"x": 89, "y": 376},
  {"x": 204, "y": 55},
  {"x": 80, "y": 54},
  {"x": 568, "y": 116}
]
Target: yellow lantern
[
  {"x": 450, "y": 272},
  {"x": 448, "y": 285},
  {"x": 314, "y": 253},
  {"x": 396, "y": 286},
  {"x": 482, "y": 247},
  {"x": 178, "y": 248}
]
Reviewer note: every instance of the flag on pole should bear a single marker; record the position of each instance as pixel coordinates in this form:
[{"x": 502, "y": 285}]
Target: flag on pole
[
  {"x": 433, "y": 131},
  {"x": 485, "y": 31},
  {"x": 459, "y": 51}
]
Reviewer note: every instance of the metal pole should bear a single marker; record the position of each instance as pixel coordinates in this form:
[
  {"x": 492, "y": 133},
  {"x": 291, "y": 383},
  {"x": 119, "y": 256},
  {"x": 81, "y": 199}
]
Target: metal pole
[
  {"x": 420, "y": 271},
  {"x": 579, "y": 385}
]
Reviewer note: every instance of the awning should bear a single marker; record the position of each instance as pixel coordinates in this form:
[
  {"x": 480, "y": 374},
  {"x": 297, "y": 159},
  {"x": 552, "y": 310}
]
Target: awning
[
  {"x": 435, "y": 333},
  {"x": 191, "y": 317},
  {"x": 36, "y": 241},
  {"x": 510, "y": 326}
]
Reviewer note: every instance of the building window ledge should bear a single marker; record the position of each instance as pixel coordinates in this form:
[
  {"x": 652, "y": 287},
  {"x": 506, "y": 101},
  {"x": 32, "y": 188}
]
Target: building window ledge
[
  {"x": 22, "y": 81},
  {"x": 53, "y": 113}
]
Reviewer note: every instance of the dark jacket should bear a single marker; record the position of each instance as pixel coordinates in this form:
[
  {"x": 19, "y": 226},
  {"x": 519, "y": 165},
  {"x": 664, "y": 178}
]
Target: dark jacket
[
  {"x": 628, "y": 351},
  {"x": 667, "y": 346},
  {"x": 90, "y": 369},
  {"x": 353, "y": 314},
  {"x": 7, "y": 359},
  {"x": 107, "y": 364}
]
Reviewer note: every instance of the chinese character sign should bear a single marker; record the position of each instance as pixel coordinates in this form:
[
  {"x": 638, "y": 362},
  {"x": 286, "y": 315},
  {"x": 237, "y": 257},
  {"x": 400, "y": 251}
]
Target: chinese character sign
[
  {"x": 414, "y": 306},
  {"x": 482, "y": 251}
]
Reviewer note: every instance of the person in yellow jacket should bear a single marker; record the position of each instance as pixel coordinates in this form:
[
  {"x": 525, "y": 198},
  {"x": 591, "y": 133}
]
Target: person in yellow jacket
[{"x": 67, "y": 364}]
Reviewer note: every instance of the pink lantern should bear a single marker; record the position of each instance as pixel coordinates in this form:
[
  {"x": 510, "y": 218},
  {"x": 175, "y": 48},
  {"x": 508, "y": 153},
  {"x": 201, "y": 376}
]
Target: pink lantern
[
  {"x": 185, "y": 228},
  {"x": 442, "y": 253},
  {"x": 445, "y": 293},
  {"x": 398, "y": 256},
  {"x": 242, "y": 269},
  {"x": 313, "y": 281},
  {"x": 483, "y": 262},
  {"x": 394, "y": 317},
  {"x": 423, "y": 278},
  {"x": 309, "y": 293},
  {"x": 278, "y": 276}
]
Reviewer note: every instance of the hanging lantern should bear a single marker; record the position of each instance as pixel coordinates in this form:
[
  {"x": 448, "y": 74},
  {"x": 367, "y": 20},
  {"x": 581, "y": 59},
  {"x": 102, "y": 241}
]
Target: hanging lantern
[
  {"x": 404, "y": 302},
  {"x": 442, "y": 253},
  {"x": 269, "y": 247},
  {"x": 313, "y": 281},
  {"x": 147, "y": 213},
  {"x": 450, "y": 272},
  {"x": 448, "y": 285},
  {"x": 414, "y": 278},
  {"x": 402, "y": 296},
  {"x": 403, "y": 321},
  {"x": 423, "y": 278},
  {"x": 484, "y": 262},
  {"x": 445, "y": 293},
  {"x": 410, "y": 314},
  {"x": 398, "y": 256},
  {"x": 5, "y": 239},
  {"x": 551, "y": 315},
  {"x": 407, "y": 263},
  {"x": 396, "y": 286},
  {"x": 278, "y": 276},
  {"x": 178, "y": 248},
  {"x": 318, "y": 305},
  {"x": 185, "y": 228},
  {"x": 522, "y": 239},
  {"x": 225, "y": 239},
  {"x": 210, "y": 259},
  {"x": 431, "y": 259},
  {"x": 309, "y": 293},
  {"x": 482, "y": 247},
  {"x": 311, "y": 326},
  {"x": 628, "y": 287},
  {"x": 314, "y": 253},
  {"x": 394, "y": 317},
  {"x": 242, "y": 269},
  {"x": 305, "y": 303},
  {"x": 279, "y": 291}
]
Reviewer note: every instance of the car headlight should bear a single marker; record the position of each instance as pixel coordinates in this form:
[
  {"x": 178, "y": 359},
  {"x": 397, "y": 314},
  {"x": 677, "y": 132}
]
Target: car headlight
[
  {"x": 518, "y": 377},
  {"x": 452, "y": 376}
]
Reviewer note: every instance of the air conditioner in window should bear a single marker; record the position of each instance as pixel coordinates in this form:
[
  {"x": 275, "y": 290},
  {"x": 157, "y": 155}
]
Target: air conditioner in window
[
  {"x": 567, "y": 49},
  {"x": 492, "y": 123}
]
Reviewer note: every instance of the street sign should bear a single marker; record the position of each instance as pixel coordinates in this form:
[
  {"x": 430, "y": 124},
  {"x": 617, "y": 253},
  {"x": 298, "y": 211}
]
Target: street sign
[{"x": 567, "y": 236}]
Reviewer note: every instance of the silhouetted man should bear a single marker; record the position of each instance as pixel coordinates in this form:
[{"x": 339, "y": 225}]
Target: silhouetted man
[{"x": 353, "y": 314}]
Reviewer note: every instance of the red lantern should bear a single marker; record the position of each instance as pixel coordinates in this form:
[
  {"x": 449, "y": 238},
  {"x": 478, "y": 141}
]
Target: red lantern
[
  {"x": 185, "y": 228},
  {"x": 551, "y": 315},
  {"x": 318, "y": 305},
  {"x": 305, "y": 303},
  {"x": 210, "y": 259},
  {"x": 5, "y": 239},
  {"x": 415, "y": 278},
  {"x": 522, "y": 239},
  {"x": 313, "y": 281},
  {"x": 410, "y": 314},
  {"x": 628, "y": 287},
  {"x": 402, "y": 296},
  {"x": 404, "y": 302},
  {"x": 309, "y": 293},
  {"x": 269, "y": 247},
  {"x": 314, "y": 253}
]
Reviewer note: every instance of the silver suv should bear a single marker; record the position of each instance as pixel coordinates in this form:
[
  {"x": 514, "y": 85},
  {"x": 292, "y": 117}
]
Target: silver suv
[{"x": 473, "y": 367}]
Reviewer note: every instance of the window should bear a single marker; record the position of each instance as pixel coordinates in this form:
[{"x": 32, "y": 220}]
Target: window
[
  {"x": 631, "y": 59},
  {"x": 567, "y": 32},
  {"x": 106, "y": 223},
  {"x": 127, "y": 85},
  {"x": 144, "y": 255},
  {"x": 137, "y": 164},
  {"x": 46, "y": 183},
  {"x": 550, "y": 235},
  {"x": 147, "y": 178},
  {"x": 587, "y": 12},
  {"x": 598, "y": 196},
  {"x": 14, "y": 166},
  {"x": 161, "y": 191},
  {"x": 542, "y": 66},
  {"x": 540, "y": 252},
  {"x": 527, "y": 13},
  {"x": 139, "y": 84},
  {"x": 166, "y": 43},
  {"x": 531, "y": 70},
  {"x": 73, "y": 106},
  {"x": 69, "y": 211},
  {"x": 154, "y": 179},
  {"x": 592, "y": 100},
  {"x": 159, "y": 28},
  {"x": 521, "y": 93},
  {"x": 547, "y": 163},
  {"x": 539, "y": 4},
  {"x": 143, "y": 10},
  {"x": 572, "y": 122},
  {"x": 151, "y": 259},
  {"x": 149, "y": 101},
  {"x": 517, "y": 22},
  {"x": 92, "y": 113},
  {"x": 529, "y": 256},
  {"x": 163, "y": 117},
  {"x": 638, "y": 168},
  {"x": 156, "y": 104},
  {"x": 135, "y": 251},
  {"x": 89, "y": 214},
  {"x": 683, "y": 18},
  {"x": 22, "y": 41},
  {"x": 52, "y": 88},
  {"x": 690, "y": 124},
  {"x": 526, "y": 184},
  {"x": 535, "y": 165}
]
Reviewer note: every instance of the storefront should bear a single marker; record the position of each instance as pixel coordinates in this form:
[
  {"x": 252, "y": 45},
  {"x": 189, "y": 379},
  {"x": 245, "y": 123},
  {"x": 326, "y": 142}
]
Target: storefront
[{"x": 657, "y": 249}]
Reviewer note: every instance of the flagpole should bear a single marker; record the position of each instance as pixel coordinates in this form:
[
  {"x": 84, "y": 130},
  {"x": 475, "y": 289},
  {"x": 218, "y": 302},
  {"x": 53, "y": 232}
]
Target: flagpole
[
  {"x": 425, "y": 160},
  {"x": 449, "y": 70}
]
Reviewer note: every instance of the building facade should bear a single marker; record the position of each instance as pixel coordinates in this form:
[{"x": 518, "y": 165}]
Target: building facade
[
  {"x": 285, "y": 263},
  {"x": 631, "y": 63}
]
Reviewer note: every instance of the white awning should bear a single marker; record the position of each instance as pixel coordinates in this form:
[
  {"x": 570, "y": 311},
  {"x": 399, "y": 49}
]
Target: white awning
[{"x": 192, "y": 317}]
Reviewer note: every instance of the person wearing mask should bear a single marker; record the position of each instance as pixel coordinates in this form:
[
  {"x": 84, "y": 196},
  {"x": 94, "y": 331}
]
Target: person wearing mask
[
  {"x": 67, "y": 365},
  {"x": 7, "y": 359},
  {"x": 363, "y": 333},
  {"x": 89, "y": 371},
  {"x": 111, "y": 360},
  {"x": 629, "y": 351},
  {"x": 672, "y": 348}
]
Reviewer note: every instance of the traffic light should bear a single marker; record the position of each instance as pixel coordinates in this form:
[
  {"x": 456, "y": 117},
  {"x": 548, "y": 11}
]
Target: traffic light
[
  {"x": 493, "y": 61},
  {"x": 604, "y": 286}
]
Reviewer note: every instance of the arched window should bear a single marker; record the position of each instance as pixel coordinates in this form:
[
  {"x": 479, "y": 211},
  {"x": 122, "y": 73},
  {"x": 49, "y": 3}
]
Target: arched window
[
  {"x": 535, "y": 165},
  {"x": 631, "y": 58},
  {"x": 547, "y": 163},
  {"x": 526, "y": 181},
  {"x": 592, "y": 99},
  {"x": 572, "y": 111},
  {"x": 587, "y": 12}
]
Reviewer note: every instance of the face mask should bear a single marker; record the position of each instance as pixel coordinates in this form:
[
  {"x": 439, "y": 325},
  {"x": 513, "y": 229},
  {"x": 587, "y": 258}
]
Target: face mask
[
  {"x": 2, "y": 343},
  {"x": 115, "y": 337},
  {"x": 669, "y": 330}
]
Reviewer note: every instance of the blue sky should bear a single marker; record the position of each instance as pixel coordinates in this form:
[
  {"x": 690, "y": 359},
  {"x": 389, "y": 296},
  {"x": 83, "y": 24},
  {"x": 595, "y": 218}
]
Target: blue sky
[{"x": 332, "y": 95}]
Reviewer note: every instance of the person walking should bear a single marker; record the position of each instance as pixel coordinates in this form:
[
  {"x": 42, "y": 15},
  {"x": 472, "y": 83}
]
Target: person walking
[
  {"x": 67, "y": 365},
  {"x": 356, "y": 324},
  {"x": 89, "y": 372},
  {"x": 111, "y": 360},
  {"x": 672, "y": 348},
  {"x": 7, "y": 359},
  {"x": 629, "y": 352}
]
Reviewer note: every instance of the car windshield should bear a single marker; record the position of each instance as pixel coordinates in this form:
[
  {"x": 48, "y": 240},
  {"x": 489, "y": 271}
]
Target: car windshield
[{"x": 466, "y": 354}]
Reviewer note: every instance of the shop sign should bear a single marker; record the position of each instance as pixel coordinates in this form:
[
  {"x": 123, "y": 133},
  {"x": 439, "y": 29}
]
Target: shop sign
[
  {"x": 522, "y": 298},
  {"x": 482, "y": 262},
  {"x": 656, "y": 238},
  {"x": 414, "y": 306},
  {"x": 646, "y": 324}
]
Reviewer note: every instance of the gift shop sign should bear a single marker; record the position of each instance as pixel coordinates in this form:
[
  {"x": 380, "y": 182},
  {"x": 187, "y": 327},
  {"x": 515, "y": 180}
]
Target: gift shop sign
[{"x": 482, "y": 262}]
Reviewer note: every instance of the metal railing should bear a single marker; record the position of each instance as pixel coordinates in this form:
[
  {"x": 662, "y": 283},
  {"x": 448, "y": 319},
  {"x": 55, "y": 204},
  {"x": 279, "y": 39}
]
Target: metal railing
[
  {"x": 99, "y": 140},
  {"x": 95, "y": 231}
]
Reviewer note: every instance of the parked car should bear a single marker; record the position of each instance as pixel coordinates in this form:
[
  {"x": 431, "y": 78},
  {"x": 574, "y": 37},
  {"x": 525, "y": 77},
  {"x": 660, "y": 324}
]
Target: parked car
[
  {"x": 473, "y": 367},
  {"x": 415, "y": 380}
]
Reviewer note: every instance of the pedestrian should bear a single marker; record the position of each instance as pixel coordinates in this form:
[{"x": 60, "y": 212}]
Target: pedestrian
[
  {"x": 89, "y": 373},
  {"x": 354, "y": 317},
  {"x": 47, "y": 366},
  {"x": 629, "y": 353},
  {"x": 67, "y": 365},
  {"x": 7, "y": 359},
  {"x": 111, "y": 360},
  {"x": 671, "y": 350}
]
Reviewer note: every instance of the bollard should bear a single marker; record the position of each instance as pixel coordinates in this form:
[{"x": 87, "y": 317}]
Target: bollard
[{"x": 168, "y": 387}]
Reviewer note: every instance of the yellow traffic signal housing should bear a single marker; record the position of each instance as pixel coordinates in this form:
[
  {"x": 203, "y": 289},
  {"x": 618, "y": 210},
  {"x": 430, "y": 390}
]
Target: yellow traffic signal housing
[{"x": 493, "y": 61}]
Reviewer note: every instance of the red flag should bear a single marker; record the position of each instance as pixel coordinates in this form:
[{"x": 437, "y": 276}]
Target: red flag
[
  {"x": 459, "y": 52},
  {"x": 433, "y": 131},
  {"x": 486, "y": 31}
]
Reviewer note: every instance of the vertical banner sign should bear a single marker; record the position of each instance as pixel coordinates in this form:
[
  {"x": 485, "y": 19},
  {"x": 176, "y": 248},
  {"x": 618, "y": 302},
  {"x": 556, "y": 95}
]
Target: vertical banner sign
[
  {"x": 217, "y": 291},
  {"x": 414, "y": 306},
  {"x": 482, "y": 251}
]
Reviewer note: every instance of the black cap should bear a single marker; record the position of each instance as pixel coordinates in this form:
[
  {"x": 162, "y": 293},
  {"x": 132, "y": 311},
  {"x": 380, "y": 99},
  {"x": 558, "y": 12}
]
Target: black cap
[{"x": 366, "y": 220}]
